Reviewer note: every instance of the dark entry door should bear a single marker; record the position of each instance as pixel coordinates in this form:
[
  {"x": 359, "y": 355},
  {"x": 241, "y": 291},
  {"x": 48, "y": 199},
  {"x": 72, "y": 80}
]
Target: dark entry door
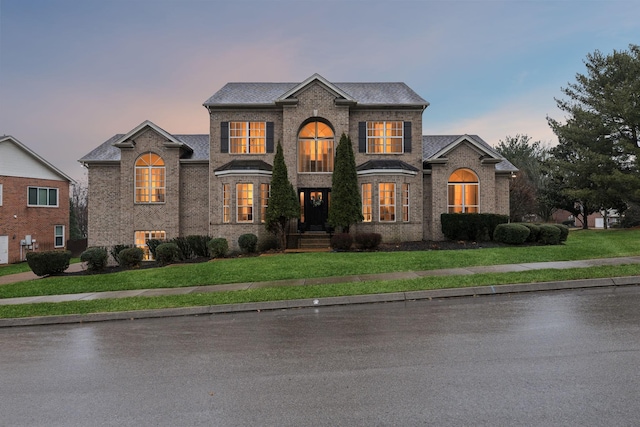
[{"x": 314, "y": 206}]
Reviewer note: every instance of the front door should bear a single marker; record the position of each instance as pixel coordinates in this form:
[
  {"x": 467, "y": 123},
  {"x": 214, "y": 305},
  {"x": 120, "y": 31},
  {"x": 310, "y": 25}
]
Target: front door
[{"x": 314, "y": 208}]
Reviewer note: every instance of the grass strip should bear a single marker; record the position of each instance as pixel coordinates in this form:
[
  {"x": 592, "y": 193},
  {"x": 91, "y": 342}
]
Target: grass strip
[{"x": 312, "y": 291}]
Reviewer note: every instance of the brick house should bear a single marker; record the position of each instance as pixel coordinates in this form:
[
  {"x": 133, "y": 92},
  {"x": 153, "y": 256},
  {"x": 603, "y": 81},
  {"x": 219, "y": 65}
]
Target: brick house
[
  {"x": 162, "y": 185},
  {"x": 34, "y": 202}
]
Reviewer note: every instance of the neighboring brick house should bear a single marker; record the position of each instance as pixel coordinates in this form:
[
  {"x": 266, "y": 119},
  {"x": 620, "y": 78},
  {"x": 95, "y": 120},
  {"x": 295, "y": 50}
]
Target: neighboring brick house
[
  {"x": 162, "y": 185},
  {"x": 34, "y": 202}
]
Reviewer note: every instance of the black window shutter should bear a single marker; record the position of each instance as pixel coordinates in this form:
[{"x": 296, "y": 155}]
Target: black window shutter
[
  {"x": 224, "y": 137},
  {"x": 269, "y": 137},
  {"x": 362, "y": 137},
  {"x": 407, "y": 137}
]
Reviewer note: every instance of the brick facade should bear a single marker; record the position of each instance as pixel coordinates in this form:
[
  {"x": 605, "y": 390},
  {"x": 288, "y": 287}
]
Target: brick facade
[
  {"x": 17, "y": 219},
  {"x": 195, "y": 179}
]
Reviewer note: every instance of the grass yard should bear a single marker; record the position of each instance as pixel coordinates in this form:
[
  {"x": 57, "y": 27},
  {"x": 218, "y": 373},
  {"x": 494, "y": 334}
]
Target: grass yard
[{"x": 580, "y": 245}]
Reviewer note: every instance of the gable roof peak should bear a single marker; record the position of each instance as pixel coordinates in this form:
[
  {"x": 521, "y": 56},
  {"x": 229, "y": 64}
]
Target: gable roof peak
[{"x": 316, "y": 78}]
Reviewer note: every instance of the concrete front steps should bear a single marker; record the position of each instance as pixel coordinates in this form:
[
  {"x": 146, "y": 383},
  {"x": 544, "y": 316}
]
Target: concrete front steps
[{"x": 312, "y": 241}]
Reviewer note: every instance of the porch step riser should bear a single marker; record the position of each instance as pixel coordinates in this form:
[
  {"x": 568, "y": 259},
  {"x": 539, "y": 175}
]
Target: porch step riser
[{"x": 314, "y": 242}]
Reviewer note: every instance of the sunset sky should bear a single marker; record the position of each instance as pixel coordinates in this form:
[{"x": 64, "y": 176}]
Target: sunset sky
[{"x": 75, "y": 72}]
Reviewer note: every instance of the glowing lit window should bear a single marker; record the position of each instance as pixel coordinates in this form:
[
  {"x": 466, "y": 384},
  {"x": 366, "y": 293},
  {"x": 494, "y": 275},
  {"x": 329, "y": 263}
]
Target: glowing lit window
[
  {"x": 247, "y": 137},
  {"x": 387, "y": 203},
  {"x": 405, "y": 202},
  {"x": 385, "y": 137},
  {"x": 315, "y": 148},
  {"x": 463, "y": 192},
  {"x": 226, "y": 203},
  {"x": 367, "y": 202},
  {"x": 141, "y": 238},
  {"x": 244, "y": 202},
  {"x": 150, "y": 179},
  {"x": 264, "y": 201}
]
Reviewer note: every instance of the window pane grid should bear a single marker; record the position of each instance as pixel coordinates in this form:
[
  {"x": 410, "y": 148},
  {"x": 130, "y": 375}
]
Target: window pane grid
[
  {"x": 247, "y": 137},
  {"x": 367, "y": 202},
  {"x": 141, "y": 237},
  {"x": 386, "y": 193},
  {"x": 264, "y": 201},
  {"x": 226, "y": 203},
  {"x": 385, "y": 137},
  {"x": 405, "y": 202},
  {"x": 244, "y": 202},
  {"x": 315, "y": 148},
  {"x": 150, "y": 179},
  {"x": 42, "y": 196}
]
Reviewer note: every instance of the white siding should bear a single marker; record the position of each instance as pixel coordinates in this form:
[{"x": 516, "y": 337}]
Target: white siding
[{"x": 14, "y": 161}]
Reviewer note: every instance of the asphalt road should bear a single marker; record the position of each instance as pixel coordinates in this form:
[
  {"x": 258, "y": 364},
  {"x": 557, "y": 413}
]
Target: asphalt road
[{"x": 561, "y": 358}]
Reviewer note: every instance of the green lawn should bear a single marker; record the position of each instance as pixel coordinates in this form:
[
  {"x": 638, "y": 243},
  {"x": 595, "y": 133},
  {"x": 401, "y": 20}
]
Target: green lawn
[{"x": 580, "y": 245}]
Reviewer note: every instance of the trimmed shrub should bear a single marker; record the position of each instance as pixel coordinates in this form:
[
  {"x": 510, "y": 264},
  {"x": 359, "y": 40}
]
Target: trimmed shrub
[
  {"x": 534, "y": 231},
  {"x": 152, "y": 244},
  {"x": 511, "y": 234},
  {"x": 48, "y": 262},
  {"x": 248, "y": 242},
  {"x": 549, "y": 234},
  {"x": 471, "y": 226},
  {"x": 218, "y": 247},
  {"x": 186, "y": 251},
  {"x": 96, "y": 258},
  {"x": 130, "y": 257},
  {"x": 115, "y": 251},
  {"x": 564, "y": 232},
  {"x": 267, "y": 243},
  {"x": 167, "y": 253},
  {"x": 368, "y": 241},
  {"x": 198, "y": 245},
  {"x": 341, "y": 241}
]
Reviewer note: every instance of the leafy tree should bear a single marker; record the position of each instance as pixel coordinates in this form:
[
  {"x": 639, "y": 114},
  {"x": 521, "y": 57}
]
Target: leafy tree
[
  {"x": 596, "y": 162},
  {"x": 526, "y": 188},
  {"x": 283, "y": 204},
  {"x": 346, "y": 204}
]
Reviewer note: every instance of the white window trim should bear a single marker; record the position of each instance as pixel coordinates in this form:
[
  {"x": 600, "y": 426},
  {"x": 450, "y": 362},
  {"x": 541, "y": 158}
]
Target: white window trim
[
  {"x": 464, "y": 186},
  {"x": 226, "y": 203},
  {"x": 384, "y": 137},
  {"x": 0, "y": 194},
  {"x": 406, "y": 198},
  {"x": 56, "y": 235},
  {"x": 149, "y": 184},
  {"x": 369, "y": 201},
  {"x": 395, "y": 203},
  {"x": 47, "y": 205}
]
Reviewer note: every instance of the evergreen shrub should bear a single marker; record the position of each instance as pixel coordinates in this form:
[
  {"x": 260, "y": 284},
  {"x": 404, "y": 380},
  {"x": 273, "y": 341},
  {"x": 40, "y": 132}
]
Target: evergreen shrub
[
  {"x": 168, "y": 253},
  {"x": 470, "y": 226},
  {"x": 152, "y": 244},
  {"x": 48, "y": 262},
  {"x": 564, "y": 232},
  {"x": 549, "y": 234},
  {"x": 511, "y": 234},
  {"x": 341, "y": 241},
  {"x": 198, "y": 245},
  {"x": 183, "y": 244},
  {"x": 534, "y": 231},
  {"x": 368, "y": 241},
  {"x": 96, "y": 258},
  {"x": 115, "y": 251},
  {"x": 267, "y": 242},
  {"x": 248, "y": 242},
  {"x": 130, "y": 257},
  {"x": 218, "y": 247}
]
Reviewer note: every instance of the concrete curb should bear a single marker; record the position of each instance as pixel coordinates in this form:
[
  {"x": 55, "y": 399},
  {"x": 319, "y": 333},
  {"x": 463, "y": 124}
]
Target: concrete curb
[{"x": 325, "y": 302}]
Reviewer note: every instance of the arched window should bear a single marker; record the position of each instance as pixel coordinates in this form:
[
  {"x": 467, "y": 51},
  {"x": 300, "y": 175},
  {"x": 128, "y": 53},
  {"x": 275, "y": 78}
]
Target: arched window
[
  {"x": 315, "y": 148},
  {"x": 150, "y": 179},
  {"x": 463, "y": 192}
]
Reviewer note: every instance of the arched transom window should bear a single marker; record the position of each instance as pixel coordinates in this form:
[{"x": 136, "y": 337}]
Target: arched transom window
[
  {"x": 315, "y": 148},
  {"x": 463, "y": 192},
  {"x": 150, "y": 179}
]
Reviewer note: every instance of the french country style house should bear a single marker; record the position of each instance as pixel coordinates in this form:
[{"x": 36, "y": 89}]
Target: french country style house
[
  {"x": 34, "y": 202},
  {"x": 149, "y": 183}
]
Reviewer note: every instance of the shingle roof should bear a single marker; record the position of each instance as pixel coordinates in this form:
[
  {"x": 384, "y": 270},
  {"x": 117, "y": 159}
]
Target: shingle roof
[
  {"x": 107, "y": 152},
  {"x": 386, "y": 165},
  {"x": 257, "y": 94},
  {"x": 432, "y": 144},
  {"x": 245, "y": 165}
]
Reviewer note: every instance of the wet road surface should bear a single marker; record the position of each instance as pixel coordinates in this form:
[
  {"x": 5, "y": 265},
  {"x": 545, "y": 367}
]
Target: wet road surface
[{"x": 560, "y": 358}]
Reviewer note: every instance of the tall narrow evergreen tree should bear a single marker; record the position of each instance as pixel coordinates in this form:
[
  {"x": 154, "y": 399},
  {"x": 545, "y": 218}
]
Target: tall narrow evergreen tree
[
  {"x": 283, "y": 204},
  {"x": 346, "y": 203}
]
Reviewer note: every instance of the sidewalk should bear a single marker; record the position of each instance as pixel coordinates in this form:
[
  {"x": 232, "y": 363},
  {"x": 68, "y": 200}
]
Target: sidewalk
[{"x": 401, "y": 296}]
